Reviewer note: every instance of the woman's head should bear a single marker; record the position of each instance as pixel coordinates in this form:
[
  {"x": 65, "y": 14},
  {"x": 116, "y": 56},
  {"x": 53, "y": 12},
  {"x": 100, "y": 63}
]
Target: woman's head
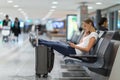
[
  {"x": 16, "y": 19},
  {"x": 7, "y": 17},
  {"x": 88, "y": 25},
  {"x": 103, "y": 22}
]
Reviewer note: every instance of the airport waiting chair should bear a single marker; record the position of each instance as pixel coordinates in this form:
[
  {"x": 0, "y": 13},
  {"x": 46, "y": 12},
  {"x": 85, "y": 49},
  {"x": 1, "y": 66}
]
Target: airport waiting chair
[
  {"x": 114, "y": 75},
  {"x": 105, "y": 56},
  {"x": 105, "y": 49},
  {"x": 75, "y": 36},
  {"x": 101, "y": 33},
  {"x": 102, "y": 58},
  {"x": 115, "y": 35},
  {"x": 79, "y": 37},
  {"x": 104, "y": 67},
  {"x": 116, "y": 45}
]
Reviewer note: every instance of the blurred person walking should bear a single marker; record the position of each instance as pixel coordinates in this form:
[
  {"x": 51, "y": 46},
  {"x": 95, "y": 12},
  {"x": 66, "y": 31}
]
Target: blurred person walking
[
  {"x": 6, "y": 21},
  {"x": 16, "y": 28},
  {"x": 6, "y": 29}
]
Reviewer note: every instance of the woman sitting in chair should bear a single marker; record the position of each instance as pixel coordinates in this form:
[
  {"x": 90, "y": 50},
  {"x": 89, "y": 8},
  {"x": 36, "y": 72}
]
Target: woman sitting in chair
[{"x": 84, "y": 46}]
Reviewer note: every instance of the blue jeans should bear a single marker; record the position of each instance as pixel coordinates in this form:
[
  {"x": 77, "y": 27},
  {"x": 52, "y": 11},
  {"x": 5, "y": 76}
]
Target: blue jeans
[{"x": 58, "y": 46}]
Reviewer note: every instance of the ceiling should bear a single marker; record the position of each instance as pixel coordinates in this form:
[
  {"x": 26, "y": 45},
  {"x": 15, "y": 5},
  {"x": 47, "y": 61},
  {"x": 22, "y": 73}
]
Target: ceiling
[{"x": 40, "y": 9}]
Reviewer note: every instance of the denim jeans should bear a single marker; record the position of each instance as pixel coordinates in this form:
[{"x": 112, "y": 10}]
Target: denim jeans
[{"x": 60, "y": 47}]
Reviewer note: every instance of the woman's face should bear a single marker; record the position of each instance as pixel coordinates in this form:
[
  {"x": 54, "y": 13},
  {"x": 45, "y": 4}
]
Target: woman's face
[{"x": 86, "y": 26}]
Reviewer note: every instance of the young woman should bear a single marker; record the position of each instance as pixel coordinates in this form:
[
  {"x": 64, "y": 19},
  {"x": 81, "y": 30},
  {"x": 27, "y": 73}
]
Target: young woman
[{"x": 86, "y": 43}]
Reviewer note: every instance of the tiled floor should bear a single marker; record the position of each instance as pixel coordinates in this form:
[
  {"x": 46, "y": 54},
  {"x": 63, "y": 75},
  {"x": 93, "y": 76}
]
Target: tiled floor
[{"x": 17, "y": 61}]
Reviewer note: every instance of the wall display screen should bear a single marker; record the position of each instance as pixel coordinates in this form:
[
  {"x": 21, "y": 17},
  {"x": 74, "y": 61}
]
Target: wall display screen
[
  {"x": 71, "y": 25},
  {"x": 58, "y": 24}
]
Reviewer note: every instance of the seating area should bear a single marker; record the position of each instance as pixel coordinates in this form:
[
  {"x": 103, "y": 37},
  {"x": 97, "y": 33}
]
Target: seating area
[{"x": 101, "y": 58}]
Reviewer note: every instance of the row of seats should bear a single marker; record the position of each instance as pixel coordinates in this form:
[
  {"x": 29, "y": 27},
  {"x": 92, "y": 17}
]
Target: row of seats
[{"x": 102, "y": 56}]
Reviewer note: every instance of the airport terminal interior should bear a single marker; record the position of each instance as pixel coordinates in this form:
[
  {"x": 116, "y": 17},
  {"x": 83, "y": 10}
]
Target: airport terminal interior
[{"x": 25, "y": 23}]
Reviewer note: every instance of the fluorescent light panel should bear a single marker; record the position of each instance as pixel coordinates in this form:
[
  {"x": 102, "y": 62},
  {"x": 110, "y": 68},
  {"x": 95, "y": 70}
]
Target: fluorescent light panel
[
  {"x": 55, "y": 2},
  {"x": 53, "y": 7},
  {"x": 10, "y": 1},
  {"x": 19, "y": 9},
  {"x": 16, "y": 6},
  {"x": 98, "y": 3},
  {"x": 90, "y": 7}
]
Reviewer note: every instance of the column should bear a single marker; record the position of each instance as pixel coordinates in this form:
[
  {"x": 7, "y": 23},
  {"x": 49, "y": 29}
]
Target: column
[
  {"x": 98, "y": 17},
  {"x": 83, "y": 13},
  {"x": 115, "y": 20},
  {"x": 110, "y": 21}
]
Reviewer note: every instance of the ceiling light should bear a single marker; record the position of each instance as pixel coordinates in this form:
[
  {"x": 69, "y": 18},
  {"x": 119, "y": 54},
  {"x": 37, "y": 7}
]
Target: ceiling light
[
  {"x": 99, "y": 3},
  {"x": 55, "y": 2},
  {"x": 22, "y": 12},
  {"x": 19, "y": 9},
  {"x": 90, "y": 7},
  {"x": 53, "y": 7},
  {"x": 16, "y": 6},
  {"x": 10, "y": 1}
]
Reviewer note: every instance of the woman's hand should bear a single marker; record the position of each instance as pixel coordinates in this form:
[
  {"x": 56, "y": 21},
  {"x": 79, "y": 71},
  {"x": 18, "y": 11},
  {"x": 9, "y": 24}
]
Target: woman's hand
[{"x": 72, "y": 44}]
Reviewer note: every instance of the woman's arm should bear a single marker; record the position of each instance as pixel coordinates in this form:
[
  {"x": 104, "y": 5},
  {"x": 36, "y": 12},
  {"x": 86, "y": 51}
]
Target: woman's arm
[{"x": 86, "y": 49}]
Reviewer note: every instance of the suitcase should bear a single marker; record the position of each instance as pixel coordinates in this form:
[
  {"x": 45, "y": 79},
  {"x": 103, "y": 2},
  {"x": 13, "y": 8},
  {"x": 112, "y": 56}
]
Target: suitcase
[{"x": 44, "y": 60}]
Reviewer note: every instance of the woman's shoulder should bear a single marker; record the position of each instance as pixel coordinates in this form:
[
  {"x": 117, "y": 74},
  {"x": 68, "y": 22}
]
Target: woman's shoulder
[{"x": 94, "y": 34}]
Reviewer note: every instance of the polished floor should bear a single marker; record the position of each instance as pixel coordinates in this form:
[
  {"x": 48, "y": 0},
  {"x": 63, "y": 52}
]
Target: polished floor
[{"x": 17, "y": 61}]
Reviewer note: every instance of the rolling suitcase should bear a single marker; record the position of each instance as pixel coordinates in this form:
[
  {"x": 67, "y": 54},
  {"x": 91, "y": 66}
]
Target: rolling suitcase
[{"x": 44, "y": 60}]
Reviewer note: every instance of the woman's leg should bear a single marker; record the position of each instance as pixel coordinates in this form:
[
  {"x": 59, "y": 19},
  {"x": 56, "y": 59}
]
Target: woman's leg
[{"x": 58, "y": 46}]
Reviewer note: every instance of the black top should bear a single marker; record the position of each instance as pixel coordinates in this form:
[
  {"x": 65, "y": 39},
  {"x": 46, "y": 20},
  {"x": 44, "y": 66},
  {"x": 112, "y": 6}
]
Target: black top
[
  {"x": 5, "y": 22},
  {"x": 102, "y": 28}
]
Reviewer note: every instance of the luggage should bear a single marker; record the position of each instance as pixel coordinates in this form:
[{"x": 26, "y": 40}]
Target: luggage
[{"x": 44, "y": 60}]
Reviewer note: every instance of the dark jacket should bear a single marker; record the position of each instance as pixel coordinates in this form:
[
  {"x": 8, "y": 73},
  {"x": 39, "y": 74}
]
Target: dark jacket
[
  {"x": 5, "y": 22},
  {"x": 16, "y": 28},
  {"x": 102, "y": 28}
]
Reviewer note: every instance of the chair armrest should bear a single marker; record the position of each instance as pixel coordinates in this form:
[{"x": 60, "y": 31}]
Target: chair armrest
[{"x": 83, "y": 56}]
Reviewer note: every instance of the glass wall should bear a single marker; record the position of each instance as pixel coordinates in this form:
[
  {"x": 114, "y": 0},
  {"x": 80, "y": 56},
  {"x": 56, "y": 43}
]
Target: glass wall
[{"x": 118, "y": 24}]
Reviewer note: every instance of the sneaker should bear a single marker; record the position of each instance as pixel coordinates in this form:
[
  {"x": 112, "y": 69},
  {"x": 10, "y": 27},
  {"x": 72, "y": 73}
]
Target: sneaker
[{"x": 71, "y": 60}]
